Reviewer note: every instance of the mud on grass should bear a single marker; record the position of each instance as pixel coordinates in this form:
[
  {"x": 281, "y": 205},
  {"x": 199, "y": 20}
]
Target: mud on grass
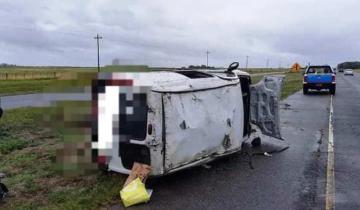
[{"x": 27, "y": 156}]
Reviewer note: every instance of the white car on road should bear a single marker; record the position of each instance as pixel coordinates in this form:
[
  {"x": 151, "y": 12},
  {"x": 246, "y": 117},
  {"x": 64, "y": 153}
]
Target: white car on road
[{"x": 349, "y": 72}]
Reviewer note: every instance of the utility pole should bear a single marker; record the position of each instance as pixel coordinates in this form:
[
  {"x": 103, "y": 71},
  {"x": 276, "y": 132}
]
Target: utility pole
[
  {"x": 98, "y": 50},
  {"x": 267, "y": 63},
  {"x": 207, "y": 59},
  {"x": 247, "y": 62}
]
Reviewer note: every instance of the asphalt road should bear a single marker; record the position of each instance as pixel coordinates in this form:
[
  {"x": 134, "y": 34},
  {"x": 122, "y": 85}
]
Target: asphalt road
[
  {"x": 40, "y": 99},
  {"x": 347, "y": 142}
]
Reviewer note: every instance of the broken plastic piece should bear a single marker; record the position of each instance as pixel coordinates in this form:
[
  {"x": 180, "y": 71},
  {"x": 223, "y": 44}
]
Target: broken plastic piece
[
  {"x": 268, "y": 144},
  {"x": 256, "y": 142},
  {"x": 207, "y": 166},
  {"x": 134, "y": 193},
  {"x": 267, "y": 154}
]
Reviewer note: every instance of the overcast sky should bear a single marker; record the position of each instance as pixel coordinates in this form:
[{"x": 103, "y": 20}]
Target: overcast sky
[{"x": 178, "y": 33}]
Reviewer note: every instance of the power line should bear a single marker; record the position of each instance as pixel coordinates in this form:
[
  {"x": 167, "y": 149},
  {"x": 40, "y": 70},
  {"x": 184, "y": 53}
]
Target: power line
[
  {"x": 98, "y": 49},
  {"x": 247, "y": 62}
]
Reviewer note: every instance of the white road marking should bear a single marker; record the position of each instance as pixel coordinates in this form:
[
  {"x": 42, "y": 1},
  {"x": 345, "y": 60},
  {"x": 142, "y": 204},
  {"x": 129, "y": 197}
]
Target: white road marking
[{"x": 330, "y": 174}]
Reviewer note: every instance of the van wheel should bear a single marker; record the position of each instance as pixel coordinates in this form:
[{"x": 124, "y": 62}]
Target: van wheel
[
  {"x": 332, "y": 90},
  {"x": 305, "y": 90}
]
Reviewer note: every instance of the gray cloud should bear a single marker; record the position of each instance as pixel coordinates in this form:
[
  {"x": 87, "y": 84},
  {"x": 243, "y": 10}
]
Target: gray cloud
[{"x": 177, "y": 33}]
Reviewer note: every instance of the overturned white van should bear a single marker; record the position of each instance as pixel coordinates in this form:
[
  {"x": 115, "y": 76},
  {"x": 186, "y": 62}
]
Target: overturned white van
[{"x": 178, "y": 119}]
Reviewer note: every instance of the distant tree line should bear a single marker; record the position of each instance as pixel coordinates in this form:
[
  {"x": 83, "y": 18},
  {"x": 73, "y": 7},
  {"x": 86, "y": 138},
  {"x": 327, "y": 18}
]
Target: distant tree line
[
  {"x": 349, "y": 65},
  {"x": 6, "y": 65}
]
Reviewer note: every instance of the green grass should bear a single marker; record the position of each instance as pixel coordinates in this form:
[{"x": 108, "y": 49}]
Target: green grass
[
  {"x": 292, "y": 83},
  {"x": 43, "y": 69},
  {"x": 25, "y": 80},
  {"x": 14, "y": 87},
  {"x": 29, "y": 152},
  {"x": 264, "y": 70}
]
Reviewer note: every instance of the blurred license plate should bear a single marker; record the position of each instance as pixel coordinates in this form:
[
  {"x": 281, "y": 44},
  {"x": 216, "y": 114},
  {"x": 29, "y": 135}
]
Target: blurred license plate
[{"x": 318, "y": 85}]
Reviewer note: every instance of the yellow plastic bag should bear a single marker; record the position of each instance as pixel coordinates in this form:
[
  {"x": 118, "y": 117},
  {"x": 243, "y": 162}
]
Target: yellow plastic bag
[{"x": 134, "y": 193}]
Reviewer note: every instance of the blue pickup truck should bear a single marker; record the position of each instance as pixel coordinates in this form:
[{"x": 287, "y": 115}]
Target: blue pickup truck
[{"x": 318, "y": 78}]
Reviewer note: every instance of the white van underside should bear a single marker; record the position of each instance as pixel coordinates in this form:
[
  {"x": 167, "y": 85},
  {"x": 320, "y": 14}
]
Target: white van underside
[{"x": 192, "y": 118}]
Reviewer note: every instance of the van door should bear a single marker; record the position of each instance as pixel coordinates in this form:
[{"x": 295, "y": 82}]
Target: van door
[{"x": 264, "y": 102}]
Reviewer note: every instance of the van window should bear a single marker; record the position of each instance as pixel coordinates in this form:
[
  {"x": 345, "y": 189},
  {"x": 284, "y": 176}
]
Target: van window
[
  {"x": 245, "y": 82},
  {"x": 194, "y": 74}
]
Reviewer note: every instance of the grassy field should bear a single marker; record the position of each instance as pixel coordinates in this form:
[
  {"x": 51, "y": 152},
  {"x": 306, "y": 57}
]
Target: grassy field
[
  {"x": 14, "y": 87},
  {"x": 27, "y": 155},
  {"x": 25, "y": 80},
  {"x": 264, "y": 70}
]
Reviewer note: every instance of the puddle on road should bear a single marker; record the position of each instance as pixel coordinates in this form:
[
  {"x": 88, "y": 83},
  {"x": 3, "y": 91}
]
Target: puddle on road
[{"x": 319, "y": 136}]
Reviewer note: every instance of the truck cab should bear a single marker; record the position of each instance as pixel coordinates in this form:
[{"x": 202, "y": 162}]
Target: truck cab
[{"x": 172, "y": 120}]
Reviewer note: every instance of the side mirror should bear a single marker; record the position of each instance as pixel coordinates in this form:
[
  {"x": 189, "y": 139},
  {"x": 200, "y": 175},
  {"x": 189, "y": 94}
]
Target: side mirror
[{"x": 233, "y": 66}]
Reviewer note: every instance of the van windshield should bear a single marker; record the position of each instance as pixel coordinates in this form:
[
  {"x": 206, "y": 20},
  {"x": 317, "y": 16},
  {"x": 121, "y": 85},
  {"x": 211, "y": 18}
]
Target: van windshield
[{"x": 319, "y": 70}]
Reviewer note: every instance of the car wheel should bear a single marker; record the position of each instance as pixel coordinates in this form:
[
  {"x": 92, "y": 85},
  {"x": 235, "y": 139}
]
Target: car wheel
[
  {"x": 305, "y": 90},
  {"x": 332, "y": 90}
]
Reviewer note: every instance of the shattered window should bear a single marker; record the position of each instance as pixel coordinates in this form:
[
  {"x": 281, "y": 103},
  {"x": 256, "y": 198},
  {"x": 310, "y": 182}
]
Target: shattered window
[{"x": 194, "y": 74}]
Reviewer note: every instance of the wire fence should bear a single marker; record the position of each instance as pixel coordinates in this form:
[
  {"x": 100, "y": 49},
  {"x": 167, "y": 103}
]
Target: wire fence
[{"x": 32, "y": 75}]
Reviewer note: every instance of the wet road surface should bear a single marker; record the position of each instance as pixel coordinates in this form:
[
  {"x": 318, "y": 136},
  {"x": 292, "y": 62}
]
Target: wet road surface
[
  {"x": 347, "y": 142},
  {"x": 40, "y": 99}
]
